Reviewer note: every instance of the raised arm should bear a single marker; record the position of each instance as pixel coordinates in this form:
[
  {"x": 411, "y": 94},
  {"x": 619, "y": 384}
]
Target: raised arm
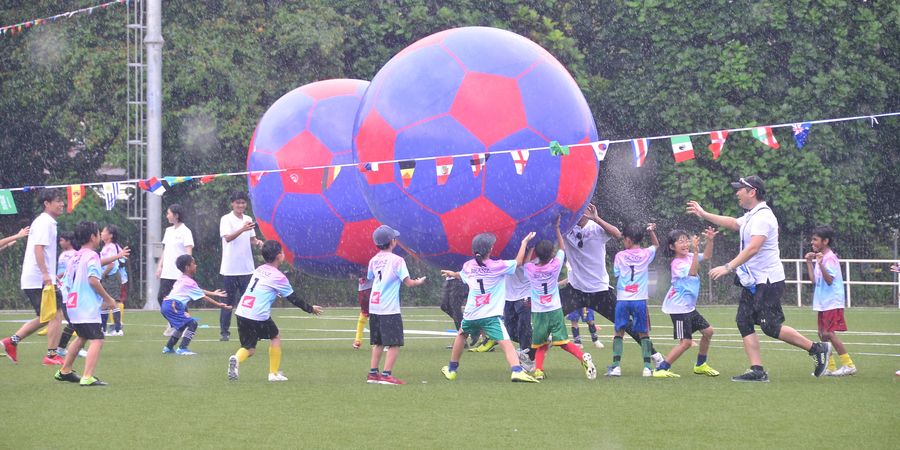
[
  {"x": 560, "y": 243},
  {"x": 651, "y": 228},
  {"x": 520, "y": 257},
  {"x": 809, "y": 257},
  {"x": 123, "y": 253},
  {"x": 695, "y": 263},
  {"x": 710, "y": 234},
  {"x": 722, "y": 221},
  {"x": 610, "y": 229},
  {"x": 9, "y": 240}
]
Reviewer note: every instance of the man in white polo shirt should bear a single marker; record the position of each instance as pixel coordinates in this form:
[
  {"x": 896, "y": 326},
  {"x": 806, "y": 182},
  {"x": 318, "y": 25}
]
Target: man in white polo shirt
[
  {"x": 761, "y": 277},
  {"x": 238, "y": 238}
]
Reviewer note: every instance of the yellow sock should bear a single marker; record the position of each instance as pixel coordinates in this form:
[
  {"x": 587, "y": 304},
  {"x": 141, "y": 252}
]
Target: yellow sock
[
  {"x": 845, "y": 360},
  {"x": 274, "y": 359},
  {"x": 360, "y": 324},
  {"x": 121, "y": 312},
  {"x": 242, "y": 355},
  {"x": 831, "y": 366}
]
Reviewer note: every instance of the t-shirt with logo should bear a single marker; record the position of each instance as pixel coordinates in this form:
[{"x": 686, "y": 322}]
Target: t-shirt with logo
[
  {"x": 185, "y": 290},
  {"x": 63, "y": 262},
  {"x": 109, "y": 250},
  {"x": 267, "y": 283},
  {"x": 175, "y": 242},
  {"x": 82, "y": 301},
  {"x": 43, "y": 232},
  {"x": 682, "y": 296},
  {"x": 827, "y": 297},
  {"x": 544, "y": 282},
  {"x": 587, "y": 263},
  {"x": 487, "y": 287},
  {"x": 387, "y": 271},
  {"x": 517, "y": 286},
  {"x": 631, "y": 269}
]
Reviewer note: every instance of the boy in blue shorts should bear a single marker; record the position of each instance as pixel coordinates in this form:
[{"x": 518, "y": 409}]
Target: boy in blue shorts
[
  {"x": 254, "y": 312},
  {"x": 174, "y": 306},
  {"x": 631, "y": 270},
  {"x": 585, "y": 315}
]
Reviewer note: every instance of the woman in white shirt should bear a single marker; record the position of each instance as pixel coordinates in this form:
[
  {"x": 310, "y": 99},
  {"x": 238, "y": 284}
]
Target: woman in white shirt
[{"x": 177, "y": 241}]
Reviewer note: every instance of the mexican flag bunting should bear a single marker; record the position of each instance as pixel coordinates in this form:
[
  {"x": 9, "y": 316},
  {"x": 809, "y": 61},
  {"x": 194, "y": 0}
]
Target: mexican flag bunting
[{"x": 682, "y": 148}]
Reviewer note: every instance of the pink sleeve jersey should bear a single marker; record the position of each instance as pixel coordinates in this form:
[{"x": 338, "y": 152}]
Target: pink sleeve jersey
[
  {"x": 545, "y": 283},
  {"x": 266, "y": 284},
  {"x": 487, "y": 287},
  {"x": 82, "y": 301},
  {"x": 185, "y": 290}
]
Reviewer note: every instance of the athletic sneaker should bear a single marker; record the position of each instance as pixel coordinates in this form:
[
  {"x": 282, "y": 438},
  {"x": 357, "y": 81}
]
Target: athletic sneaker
[
  {"x": 614, "y": 371},
  {"x": 61, "y": 352},
  {"x": 820, "y": 353},
  {"x": 752, "y": 375},
  {"x": 487, "y": 346},
  {"x": 522, "y": 377},
  {"x": 10, "y": 349},
  {"x": 184, "y": 352},
  {"x": 588, "y": 364},
  {"x": 647, "y": 372},
  {"x": 277, "y": 377},
  {"x": 657, "y": 359},
  {"x": 578, "y": 343},
  {"x": 167, "y": 350},
  {"x": 704, "y": 369},
  {"x": 598, "y": 344},
  {"x": 664, "y": 373},
  {"x": 357, "y": 345},
  {"x": 71, "y": 377},
  {"x": 92, "y": 381},
  {"x": 538, "y": 374},
  {"x": 233, "y": 367},
  {"x": 526, "y": 363},
  {"x": 448, "y": 374},
  {"x": 373, "y": 378},
  {"x": 119, "y": 333},
  {"x": 844, "y": 371},
  {"x": 109, "y": 333},
  {"x": 390, "y": 379},
  {"x": 54, "y": 360},
  {"x": 82, "y": 353},
  {"x": 224, "y": 337}
]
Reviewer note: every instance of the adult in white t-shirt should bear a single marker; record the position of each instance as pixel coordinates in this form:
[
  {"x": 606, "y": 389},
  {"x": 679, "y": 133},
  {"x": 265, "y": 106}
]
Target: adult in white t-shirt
[
  {"x": 238, "y": 239},
  {"x": 39, "y": 270},
  {"x": 761, "y": 276},
  {"x": 177, "y": 241}
]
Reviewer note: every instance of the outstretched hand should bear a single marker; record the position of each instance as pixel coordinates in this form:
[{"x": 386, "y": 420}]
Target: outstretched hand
[
  {"x": 710, "y": 233},
  {"x": 218, "y": 293},
  {"x": 695, "y": 209}
]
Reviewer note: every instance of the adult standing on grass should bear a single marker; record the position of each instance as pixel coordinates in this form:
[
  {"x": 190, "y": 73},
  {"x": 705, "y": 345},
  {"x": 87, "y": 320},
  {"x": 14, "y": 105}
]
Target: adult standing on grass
[
  {"x": 38, "y": 270},
  {"x": 761, "y": 277},
  {"x": 178, "y": 240},
  {"x": 238, "y": 238}
]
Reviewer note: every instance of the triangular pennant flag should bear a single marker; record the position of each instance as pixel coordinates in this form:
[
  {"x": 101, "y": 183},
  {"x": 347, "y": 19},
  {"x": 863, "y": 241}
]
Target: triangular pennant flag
[
  {"x": 406, "y": 171},
  {"x": 443, "y": 166},
  {"x": 801, "y": 132},
  {"x": 520, "y": 158},
  {"x": 718, "y": 142},
  {"x": 682, "y": 148},
  {"x": 153, "y": 185},
  {"x": 764, "y": 135},
  {"x": 7, "y": 204},
  {"x": 600, "y": 149},
  {"x": 208, "y": 178},
  {"x": 478, "y": 161},
  {"x": 329, "y": 175},
  {"x": 74, "y": 193},
  {"x": 558, "y": 150},
  {"x": 640, "y": 148},
  {"x": 172, "y": 181},
  {"x": 110, "y": 193}
]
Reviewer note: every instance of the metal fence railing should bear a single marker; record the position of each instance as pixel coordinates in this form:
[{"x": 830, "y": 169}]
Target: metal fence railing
[{"x": 800, "y": 272}]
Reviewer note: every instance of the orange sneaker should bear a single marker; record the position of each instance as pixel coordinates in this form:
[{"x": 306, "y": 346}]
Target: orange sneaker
[
  {"x": 54, "y": 360},
  {"x": 10, "y": 349}
]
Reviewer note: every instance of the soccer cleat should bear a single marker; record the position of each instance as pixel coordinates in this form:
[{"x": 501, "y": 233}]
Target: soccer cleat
[
  {"x": 169, "y": 332},
  {"x": 820, "y": 353},
  {"x": 844, "y": 371},
  {"x": 10, "y": 349},
  {"x": 578, "y": 343},
  {"x": 233, "y": 367},
  {"x": 590, "y": 370},
  {"x": 277, "y": 377},
  {"x": 487, "y": 346},
  {"x": 224, "y": 338},
  {"x": 522, "y": 377},
  {"x": 598, "y": 344},
  {"x": 357, "y": 345},
  {"x": 657, "y": 359},
  {"x": 167, "y": 350},
  {"x": 665, "y": 374},
  {"x": 43, "y": 331},
  {"x": 373, "y": 378},
  {"x": 704, "y": 369},
  {"x": 92, "y": 381},
  {"x": 54, "y": 360},
  {"x": 184, "y": 352},
  {"x": 752, "y": 375},
  {"x": 71, "y": 377},
  {"x": 390, "y": 379},
  {"x": 647, "y": 372},
  {"x": 538, "y": 374},
  {"x": 448, "y": 374},
  {"x": 82, "y": 353},
  {"x": 61, "y": 352},
  {"x": 614, "y": 371}
]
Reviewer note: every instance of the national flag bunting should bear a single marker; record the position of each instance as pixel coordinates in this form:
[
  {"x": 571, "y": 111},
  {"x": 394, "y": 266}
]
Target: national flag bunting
[
  {"x": 74, "y": 194},
  {"x": 682, "y": 148},
  {"x": 110, "y": 193},
  {"x": 600, "y": 149},
  {"x": 208, "y": 178},
  {"x": 718, "y": 142},
  {"x": 330, "y": 174},
  {"x": 443, "y": 166},
  {"x": 520, "y": 158},
  {"x": 153, "y": 185},
  {"x": 764, "y": 135},
  {"x": 640, "y": 148},
  {"x": 407, "y": 168},
  {"x": 801, "y": 132},
  {"x": 7, "y": 204},
  {"x": 478, "y": 161},
  {"x": 172, "y": 181},
  {"x": 558, "y": 150}
]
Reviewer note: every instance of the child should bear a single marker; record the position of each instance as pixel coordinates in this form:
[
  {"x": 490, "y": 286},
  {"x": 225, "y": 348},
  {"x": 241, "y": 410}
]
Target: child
[
  {"x": 364, "y": 289},
  {"x": 586, "y": 315},
  {"x": 67, "y": 245},
  {"x": 387, "y": 271},
  {"x": 681, "y": 301},
  {"x": 630, "y": 268},
  {"x": 828, "y": 297},
  {"x": 486, "y": 279},
  {"x": 546, "y": 309},
  {"x": 517, "y": 315},
  {"x": 254, "y": 312},
  {"x": 112, "y": 282},
  {"x": 84, "y": 298},
  {"x": 174, "y": 306}
]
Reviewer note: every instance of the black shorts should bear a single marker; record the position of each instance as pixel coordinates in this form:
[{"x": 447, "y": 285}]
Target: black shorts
[
  {"x": 89, "y": 331},
  {"x": 386, "y": 330},
  {"x": 762, "y": 308},
  {"x": 165, "y": 287},
  {"x": 684, "y": 325},
  {"x": 251, "y": 331},
  {"x": 603, "y": 302},
  {"x": 34, "y": 297}
]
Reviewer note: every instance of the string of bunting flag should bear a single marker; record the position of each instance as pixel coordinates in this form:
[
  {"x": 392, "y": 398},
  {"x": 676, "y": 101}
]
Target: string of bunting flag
[
  {"x": 24, "y": 26},
  {"x": 682, "y": 150}
]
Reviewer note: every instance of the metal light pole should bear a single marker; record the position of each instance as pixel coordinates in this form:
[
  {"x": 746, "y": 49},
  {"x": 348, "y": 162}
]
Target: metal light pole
[{"x": 154, "y": 42}]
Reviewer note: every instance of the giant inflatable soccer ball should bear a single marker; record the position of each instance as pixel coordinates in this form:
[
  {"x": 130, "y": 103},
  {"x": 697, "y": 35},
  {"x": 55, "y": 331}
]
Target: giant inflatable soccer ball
[
  {"x": 322, "y": 222},
  {"x": 468, "y": 91}
]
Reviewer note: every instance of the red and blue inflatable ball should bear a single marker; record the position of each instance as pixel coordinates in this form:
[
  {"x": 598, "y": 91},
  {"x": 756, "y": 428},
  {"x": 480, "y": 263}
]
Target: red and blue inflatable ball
[{"x": 466, "y": 91}]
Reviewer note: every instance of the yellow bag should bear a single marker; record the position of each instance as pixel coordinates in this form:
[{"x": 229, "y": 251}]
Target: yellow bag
[{"x": 48, "y": 303}]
